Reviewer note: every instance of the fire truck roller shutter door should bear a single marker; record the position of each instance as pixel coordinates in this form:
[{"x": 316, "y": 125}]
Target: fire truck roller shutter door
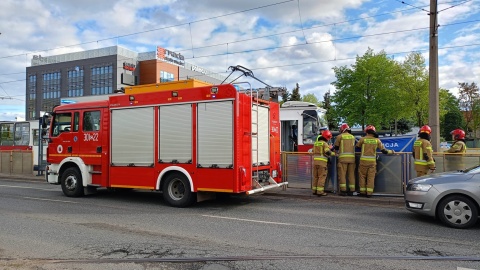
[{"x": 215, "y": 134}]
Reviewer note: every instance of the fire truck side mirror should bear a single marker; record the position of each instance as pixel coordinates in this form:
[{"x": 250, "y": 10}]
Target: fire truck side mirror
[{"x": 44, "y": 121}]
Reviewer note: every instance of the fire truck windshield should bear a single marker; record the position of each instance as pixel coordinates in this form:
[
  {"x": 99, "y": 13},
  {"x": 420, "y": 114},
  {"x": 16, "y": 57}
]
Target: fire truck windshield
[{"x": 61, "y": 123}]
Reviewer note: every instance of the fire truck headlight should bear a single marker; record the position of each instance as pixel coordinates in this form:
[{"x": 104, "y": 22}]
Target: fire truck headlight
[
  {"x": 214, "y": 90},
  {"x": 174, "y": 94},
  {"x": 131, "y": 98},
  {"x": 274, "y": 173}
]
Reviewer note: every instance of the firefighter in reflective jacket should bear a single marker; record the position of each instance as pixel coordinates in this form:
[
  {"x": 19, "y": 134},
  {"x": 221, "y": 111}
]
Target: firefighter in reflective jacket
[
  {"x": 345, "y": 147},
  {"x": 368, "y": 160},
  {"x": 459, "y": 145},
  {"x": 422, "y": 152},
  {"x": 321, "y": 153},
  {"x": 456, "y": 162}
]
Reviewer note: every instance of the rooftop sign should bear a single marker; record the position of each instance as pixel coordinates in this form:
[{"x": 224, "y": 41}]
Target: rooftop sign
[{"x": 169, "y": 56}]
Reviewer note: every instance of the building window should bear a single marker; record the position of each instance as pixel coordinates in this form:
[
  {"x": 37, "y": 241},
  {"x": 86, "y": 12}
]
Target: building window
[
  {"x": 51, "y": 85},
  {"x": 102, "y": 80},
  {"x": 166, "y": 77},
  {"x": 75, "y": 82},
  {"x": 32, "y": 87}
]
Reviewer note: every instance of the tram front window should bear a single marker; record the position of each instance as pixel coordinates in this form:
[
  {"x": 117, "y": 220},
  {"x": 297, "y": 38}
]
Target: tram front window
[{"x": 310, "y": 127}]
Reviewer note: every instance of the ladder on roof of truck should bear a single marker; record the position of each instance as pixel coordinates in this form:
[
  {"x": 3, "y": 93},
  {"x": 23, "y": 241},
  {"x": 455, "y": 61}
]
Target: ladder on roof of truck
[{"x": 255, "y": 104}]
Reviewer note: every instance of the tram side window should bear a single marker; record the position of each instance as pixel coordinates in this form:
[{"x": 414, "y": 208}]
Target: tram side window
[
  {"x": 6, "y": 134},
  {"x": 61, "y": 123},
  {"x": 91, "y": 121},
  {"x": 35, "y": 136},
  {"x": 22, "y": 133}
]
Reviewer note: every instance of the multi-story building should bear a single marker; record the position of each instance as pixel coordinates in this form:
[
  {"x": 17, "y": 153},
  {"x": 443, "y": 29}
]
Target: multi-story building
[{"x": 101, "y": 72}]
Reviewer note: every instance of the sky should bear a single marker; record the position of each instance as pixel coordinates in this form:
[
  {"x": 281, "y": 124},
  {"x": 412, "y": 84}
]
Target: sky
[{"x": 283, "y": 42}]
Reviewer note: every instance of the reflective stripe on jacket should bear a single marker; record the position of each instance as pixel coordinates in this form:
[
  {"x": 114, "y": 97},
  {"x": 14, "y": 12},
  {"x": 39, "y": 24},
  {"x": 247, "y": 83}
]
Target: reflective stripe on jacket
[
  {"x": 319, "y": 151},
  {"x": 346, "y": 147},
  {"x": 369, "y": 145},
  {"x": 422, "y": 153}
]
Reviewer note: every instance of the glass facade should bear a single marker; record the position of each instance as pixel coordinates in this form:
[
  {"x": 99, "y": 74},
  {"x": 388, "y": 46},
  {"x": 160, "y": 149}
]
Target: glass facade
[
  {"x": 166, "y": 76},
  {"x": 32, "y": 83},
  {"x": 75, "y": 82},
  {"x": 102, "y": 80},
  {"x": 32, "y": 95},
  {"x": 51, "y": 85}
]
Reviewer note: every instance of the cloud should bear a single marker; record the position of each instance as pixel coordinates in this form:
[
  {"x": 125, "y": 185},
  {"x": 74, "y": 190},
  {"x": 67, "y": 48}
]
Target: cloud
[{"x": 283, "y": 42}]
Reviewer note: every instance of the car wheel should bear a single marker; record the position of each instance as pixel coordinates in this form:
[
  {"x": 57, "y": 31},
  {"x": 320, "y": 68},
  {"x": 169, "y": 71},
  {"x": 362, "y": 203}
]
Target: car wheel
[
  {"x": 72, "y": 184},
  {"x": 457, "y": 211},
  {"x": 176, "y": 190}
]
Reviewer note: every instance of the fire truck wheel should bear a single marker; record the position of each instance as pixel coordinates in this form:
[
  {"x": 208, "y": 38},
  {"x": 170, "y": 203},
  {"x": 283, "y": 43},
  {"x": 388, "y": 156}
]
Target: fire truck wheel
[
  {"x": 176, "y": 190},
  {"x": 71, "y": 181}
]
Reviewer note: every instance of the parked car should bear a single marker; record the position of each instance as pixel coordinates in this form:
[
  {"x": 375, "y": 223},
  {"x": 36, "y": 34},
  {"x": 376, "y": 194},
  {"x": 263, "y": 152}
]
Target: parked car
[{"x": 451, "y": 197}]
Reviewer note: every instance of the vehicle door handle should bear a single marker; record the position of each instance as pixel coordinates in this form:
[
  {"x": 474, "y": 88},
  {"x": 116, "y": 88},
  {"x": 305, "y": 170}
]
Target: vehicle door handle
[
  {"x": 99, "y": 149},
  {"x": 69, "y": 149}
]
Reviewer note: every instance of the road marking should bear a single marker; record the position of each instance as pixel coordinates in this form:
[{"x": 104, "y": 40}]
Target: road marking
[
  {"x": 7, "y": 186},
  {"x": 448, "y": 241},
  {"x": 50, "y": 200}
]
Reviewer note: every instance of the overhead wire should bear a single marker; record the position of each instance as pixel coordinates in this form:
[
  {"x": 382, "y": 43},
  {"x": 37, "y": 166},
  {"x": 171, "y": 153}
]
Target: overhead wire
[
  {"x": 210, "y": 18},
  {"x": 152, "y": 30},
  {"x": 244, "y": 40},
  {"x": 224, "y": 15},
  {"x": 319, "y": 61}
]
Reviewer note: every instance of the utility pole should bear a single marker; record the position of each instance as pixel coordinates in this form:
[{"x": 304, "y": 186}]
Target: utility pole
[{"x": 433, "y": 112}]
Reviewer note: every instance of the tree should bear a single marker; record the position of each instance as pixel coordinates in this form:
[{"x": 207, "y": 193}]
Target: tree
[
  {"x": 365, "y": 93},
  {"x": 402, "y": 126},
  {"x": 312, "y": 99},
  {"x": 296, "y": 94},
  {"x": 453, "y": 120},
  {"x": 450, "y": 115},
  {"x": 285, "y": 97},
  {"x": 412, "y": 79},
  {"x": 469, "y": 98},
  {"x": 332, "y": 121}
]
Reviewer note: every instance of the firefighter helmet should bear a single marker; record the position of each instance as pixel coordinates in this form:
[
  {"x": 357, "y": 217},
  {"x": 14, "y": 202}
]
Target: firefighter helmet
[
  {"x": 425, "y": 129},
  {"x": 327, "y": 134},
  {"x": 370, "y": 127},
  {"x": 344, "y": 127},
  {"x": 458, "y": 134}
]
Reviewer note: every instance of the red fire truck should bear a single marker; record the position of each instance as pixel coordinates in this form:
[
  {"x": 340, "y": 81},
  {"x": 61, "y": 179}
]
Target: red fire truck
[{"x": 189, "y": 143}]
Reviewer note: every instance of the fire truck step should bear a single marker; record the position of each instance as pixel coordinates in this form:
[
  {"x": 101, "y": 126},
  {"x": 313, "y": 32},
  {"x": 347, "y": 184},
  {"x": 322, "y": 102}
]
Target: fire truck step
[
  {"x": 94, "y": 185},
  {"x": 95, "y": 172}
]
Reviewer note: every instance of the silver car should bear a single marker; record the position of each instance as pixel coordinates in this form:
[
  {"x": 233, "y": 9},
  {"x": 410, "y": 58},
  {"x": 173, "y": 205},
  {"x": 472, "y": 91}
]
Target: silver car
[{"x": 452, "y": 197}]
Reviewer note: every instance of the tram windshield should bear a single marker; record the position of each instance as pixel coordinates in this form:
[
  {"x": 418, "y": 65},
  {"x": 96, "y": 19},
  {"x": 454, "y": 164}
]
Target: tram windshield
[{"x": 314, "y": 121}]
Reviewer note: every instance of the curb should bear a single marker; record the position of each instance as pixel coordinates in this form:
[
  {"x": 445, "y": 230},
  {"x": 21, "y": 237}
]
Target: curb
[
  {"x": 40, "y": 178},
  {"x": 289, "y": 192},
  {"x": 305, "y": 194}
]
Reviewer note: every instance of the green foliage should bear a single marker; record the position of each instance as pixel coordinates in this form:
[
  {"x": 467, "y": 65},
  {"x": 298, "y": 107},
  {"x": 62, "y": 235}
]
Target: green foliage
[
  {"x": 285, "y": 97},
  {"x": 403, "y": 126},
  {"x": 296, "y": 94},
  {"x": 365, "y": 92},
  {"x": 453, "y": 120},
  {"x": 412, "y": 80},
  {"x": 469, "y": 98},
  {"x": 447, "y": 103},
  {"x": 450, "y": 115},
  {"x": 332, "y": 121},
  {"x": 312, "y": 99}
]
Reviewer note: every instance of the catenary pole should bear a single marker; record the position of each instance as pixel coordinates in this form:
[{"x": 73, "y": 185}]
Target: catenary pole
[{"x": 433, "y": 112}]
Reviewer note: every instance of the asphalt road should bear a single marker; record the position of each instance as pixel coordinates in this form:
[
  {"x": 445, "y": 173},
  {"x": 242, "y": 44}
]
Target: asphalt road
[{"x": 43, "y": 229}]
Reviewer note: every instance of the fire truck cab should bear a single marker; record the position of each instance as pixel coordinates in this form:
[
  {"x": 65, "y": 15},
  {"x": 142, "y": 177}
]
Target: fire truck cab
[{"x": 187, "y": 143}]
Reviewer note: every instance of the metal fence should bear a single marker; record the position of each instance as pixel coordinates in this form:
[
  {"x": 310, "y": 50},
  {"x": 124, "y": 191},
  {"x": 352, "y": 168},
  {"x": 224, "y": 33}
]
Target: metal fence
[
  {"x": 393, "y": 171},
  {"x": 16, "y": 162}
]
